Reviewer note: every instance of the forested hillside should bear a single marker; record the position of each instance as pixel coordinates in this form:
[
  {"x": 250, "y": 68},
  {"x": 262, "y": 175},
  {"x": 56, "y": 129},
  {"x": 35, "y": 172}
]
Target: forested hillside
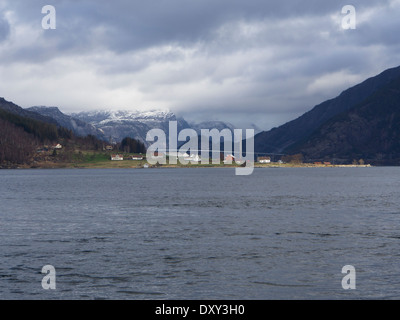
[{"x": 23, "y": 140}]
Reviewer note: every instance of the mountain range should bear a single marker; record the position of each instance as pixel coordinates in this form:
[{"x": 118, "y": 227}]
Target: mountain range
[
  {"x": 363, "y": 122},
  {"x": 79, "y": 127},
  {"x": 113, "y": 126},
  {"x": 116, "y": 125}
]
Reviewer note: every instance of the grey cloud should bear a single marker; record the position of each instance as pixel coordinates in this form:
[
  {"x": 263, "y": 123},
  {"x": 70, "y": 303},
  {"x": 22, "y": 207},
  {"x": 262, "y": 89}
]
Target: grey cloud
[
  {"x": 132, "y": 25},
  {"x": 289, "y": 44},
  {"x": 4, "y": 28}
]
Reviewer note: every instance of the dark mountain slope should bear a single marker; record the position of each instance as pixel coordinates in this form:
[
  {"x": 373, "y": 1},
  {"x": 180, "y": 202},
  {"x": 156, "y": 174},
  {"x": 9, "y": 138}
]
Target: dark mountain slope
[
  {"x": 370, "y": 130},
  {"x": 23, "y": 133},
  {"x": 16, "y": 145},
  {"x": 78, "y": 127},
  {"x": 13, "y": 108},
  {"x": 281, "y": 138},
  {"x": 41, "y": 130}
]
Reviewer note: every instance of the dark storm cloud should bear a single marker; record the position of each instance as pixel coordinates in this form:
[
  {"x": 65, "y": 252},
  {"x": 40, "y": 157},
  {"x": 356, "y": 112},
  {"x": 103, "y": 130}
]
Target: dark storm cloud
[
  {"x": 197, "y": 57},
  {"x": 131, "y": 25}
]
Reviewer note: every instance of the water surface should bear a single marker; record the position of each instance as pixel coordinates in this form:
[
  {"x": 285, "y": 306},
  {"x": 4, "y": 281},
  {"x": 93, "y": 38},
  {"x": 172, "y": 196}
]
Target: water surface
[{"x": 280, "y": 233}]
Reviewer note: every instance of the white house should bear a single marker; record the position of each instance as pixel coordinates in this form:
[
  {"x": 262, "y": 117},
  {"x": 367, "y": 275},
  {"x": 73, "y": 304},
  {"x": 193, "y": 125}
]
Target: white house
[
  {"x": 192, "y": 157},
  {"x": 264, "y": 159},
  {"x": 117, "y": 157},
  {"x": 137, "y": 157}
]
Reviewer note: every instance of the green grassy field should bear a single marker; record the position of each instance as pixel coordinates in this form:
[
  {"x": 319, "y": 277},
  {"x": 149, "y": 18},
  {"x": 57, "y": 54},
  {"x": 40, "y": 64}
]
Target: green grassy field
[{"x": 102, "y": 160}]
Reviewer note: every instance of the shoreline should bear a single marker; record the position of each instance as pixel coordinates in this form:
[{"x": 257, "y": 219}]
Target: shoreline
[{"x": 129, "y": 165}]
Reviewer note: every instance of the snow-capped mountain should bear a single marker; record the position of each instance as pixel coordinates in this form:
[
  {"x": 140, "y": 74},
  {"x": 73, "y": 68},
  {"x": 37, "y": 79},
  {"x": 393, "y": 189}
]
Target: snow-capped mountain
[
  {"x": 113, "y": 126},
  {"x": 102, "y": 117},
  {"x": 80, "y": 128},
  {"x": 117, "y": 125}
]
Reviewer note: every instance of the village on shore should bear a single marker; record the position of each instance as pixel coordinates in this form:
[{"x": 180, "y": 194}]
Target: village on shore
[{"x": 52, "y": 157}]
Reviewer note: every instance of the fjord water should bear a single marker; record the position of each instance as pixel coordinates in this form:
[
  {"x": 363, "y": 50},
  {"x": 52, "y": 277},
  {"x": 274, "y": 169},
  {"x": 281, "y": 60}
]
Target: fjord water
[{"x": 281, "y": 233}]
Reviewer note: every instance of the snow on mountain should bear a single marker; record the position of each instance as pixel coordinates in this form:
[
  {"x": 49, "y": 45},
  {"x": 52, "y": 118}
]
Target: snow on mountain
[
  {"x": 103, "y": 117},
  {"x": 119, "y": 124},
  {"x": 115, "y": 125}
]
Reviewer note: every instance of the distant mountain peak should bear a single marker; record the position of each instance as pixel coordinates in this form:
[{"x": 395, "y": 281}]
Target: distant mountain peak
[
  {"x": 15, "y": 109},
  {"x": 118, "y": 124},
  {"x": 105, "y": 116},
  {"x": 41, "y": 109},
  {"x": 77, "y": 126},
  {"x": 213, "y": 124},
  {"x": 114, "y": 125}
]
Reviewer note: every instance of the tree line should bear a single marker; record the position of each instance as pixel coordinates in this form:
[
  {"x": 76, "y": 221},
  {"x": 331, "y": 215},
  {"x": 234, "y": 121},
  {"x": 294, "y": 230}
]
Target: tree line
[
  {"x": 130, "y": 145},
  {"x": 16, "y": 145},
  {"x": 20, "y": 137},
  {"x": 45, "y": 132}
]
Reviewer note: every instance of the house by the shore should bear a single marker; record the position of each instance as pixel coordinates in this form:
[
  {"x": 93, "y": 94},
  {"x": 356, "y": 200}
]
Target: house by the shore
[
  {"x": 137, "y": 158},
  {"x": 117, "y": 157},
  {"x": 264, "y": 159},
  {"x": 229, "y": 158}
]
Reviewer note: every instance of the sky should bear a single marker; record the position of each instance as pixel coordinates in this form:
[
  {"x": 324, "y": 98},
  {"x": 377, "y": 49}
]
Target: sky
[{"x": 253, "y": 62}]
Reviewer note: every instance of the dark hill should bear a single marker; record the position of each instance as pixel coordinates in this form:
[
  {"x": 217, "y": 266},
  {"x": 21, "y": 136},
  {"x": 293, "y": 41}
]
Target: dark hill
[
  {"x": 285, "y": 136},
  {"x": 13, "y": 108},
  {"x": 78, "y": 127},
  {"x": 23, "y": 132},
  {"x": 370, "y": 131}
]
